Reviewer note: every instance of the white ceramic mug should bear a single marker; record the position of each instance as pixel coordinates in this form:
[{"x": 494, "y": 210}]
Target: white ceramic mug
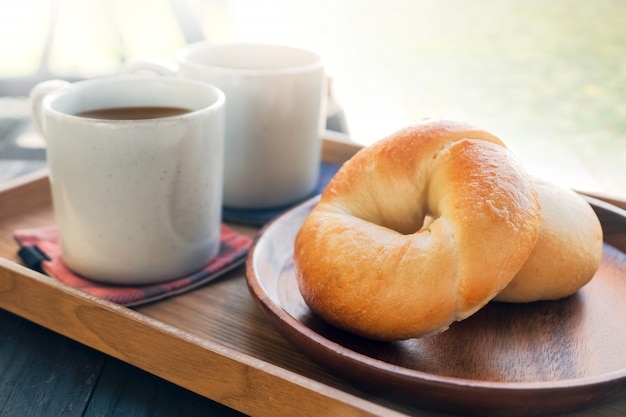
[
  {"x": 136, "y": 201},
  {"x": 275, "y": 116}
]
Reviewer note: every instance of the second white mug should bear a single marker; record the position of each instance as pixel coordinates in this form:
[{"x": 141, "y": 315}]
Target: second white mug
[{"x": 274, "y": 116}]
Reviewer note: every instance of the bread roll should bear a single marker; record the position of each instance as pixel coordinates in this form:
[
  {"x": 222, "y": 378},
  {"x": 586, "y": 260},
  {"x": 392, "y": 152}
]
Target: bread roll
[
  {"x": 417, "y": 231},
  {"x": 568, "y": 250}
]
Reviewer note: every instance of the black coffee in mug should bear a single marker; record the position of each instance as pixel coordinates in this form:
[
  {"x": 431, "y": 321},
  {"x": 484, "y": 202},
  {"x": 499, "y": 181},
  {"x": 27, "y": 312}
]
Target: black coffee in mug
[{"x": 133, "y": 113}]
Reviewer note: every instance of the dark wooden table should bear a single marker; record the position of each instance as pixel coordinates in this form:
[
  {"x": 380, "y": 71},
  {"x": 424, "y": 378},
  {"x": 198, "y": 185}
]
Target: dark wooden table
[{"x": 45, "y": 374}]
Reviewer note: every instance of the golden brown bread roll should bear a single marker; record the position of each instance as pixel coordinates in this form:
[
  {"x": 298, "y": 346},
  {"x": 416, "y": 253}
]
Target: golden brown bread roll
[
  {"x": 417, "y": 231},
  {"x": 568, "y": 250}
]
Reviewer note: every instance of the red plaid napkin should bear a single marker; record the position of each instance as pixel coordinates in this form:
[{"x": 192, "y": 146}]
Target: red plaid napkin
[{"x": 40, "y": 250}]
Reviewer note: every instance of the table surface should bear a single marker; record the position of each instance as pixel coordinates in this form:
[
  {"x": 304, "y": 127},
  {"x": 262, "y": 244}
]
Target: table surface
[{"x": 44, "y": 373}]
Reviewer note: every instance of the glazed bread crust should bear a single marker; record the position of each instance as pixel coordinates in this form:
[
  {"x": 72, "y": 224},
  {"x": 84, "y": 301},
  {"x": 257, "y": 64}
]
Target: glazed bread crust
[
  {"x": 417, "y": 231},
  {"x": 568, "y": 250}
]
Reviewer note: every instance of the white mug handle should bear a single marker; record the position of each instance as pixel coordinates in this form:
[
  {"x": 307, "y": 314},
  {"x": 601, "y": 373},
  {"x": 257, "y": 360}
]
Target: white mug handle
[
  {"x": 37, "y": 94},
  {"x": 149, "y": 66}
]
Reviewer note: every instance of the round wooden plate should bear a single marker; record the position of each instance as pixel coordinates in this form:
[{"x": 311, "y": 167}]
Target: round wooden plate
[{"x": 507, "y": 359}]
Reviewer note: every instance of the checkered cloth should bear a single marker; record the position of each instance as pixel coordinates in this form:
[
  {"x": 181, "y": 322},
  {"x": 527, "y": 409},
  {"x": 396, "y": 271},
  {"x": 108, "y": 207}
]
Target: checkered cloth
[{"x": 40, "y": 250}]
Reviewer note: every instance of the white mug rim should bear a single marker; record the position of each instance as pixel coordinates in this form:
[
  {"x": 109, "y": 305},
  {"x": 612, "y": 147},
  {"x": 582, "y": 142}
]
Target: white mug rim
[
  {"x": 186, "y": 56},
  {"x": 48, "y": 101}
]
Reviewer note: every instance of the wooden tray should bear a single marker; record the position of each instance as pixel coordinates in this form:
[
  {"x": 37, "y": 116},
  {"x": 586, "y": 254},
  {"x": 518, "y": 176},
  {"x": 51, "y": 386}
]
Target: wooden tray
[{"x": 214, "y": 341}]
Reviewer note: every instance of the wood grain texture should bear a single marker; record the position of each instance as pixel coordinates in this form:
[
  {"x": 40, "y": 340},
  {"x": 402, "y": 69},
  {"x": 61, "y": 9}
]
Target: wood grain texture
[
  {"x": 33, "y": 379},
  {"x": 213, "y": 341}
]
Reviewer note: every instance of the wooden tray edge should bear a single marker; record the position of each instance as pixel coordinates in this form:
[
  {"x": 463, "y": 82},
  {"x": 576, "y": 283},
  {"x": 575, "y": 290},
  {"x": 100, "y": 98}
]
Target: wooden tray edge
[{"x": 238, "y": 380}]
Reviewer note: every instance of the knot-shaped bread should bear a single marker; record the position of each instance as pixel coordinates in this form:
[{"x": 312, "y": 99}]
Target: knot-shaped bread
[{"x": 416, "y": 231}]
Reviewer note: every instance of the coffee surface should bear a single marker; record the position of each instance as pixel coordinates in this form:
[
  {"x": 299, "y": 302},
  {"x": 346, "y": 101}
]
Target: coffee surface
[{"x": 133, "y": 113}]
